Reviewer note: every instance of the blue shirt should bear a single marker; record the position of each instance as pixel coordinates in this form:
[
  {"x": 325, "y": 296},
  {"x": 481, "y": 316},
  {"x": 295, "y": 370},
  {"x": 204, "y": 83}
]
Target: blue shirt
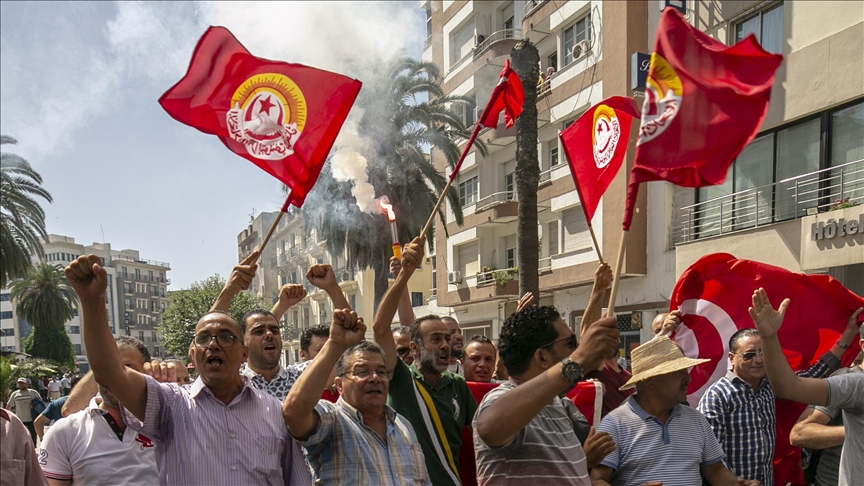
[
  {"x": 54, "y": 409},
  {"x": 648, "y": 450}
]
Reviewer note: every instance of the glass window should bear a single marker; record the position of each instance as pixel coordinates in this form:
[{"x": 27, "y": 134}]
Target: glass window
[
  {"x": 78, "y": 349},
  {"x": 6, "y": 315},
  {"x": 553, "y": 155},
  {"x": 74, "y": 329},
  {"x": 553, "y": 61},
  {"x": 511, "y": 258},
  {"x": 553, "y": 238},
  {"x": 577, "y": 32},
  {"x": 428, "y": 23},
  {"x": 753, "y": 168},
  {"x": 510, "y": 185},
  {"x": 847, "y": 145},
  {"x": 797, "y": 153},
  {"x": 468, "y": 191},
  {"x": 767, "y": 26},
  {"x": 416, "y": 299},
  {"x": 4, "y": 297}
]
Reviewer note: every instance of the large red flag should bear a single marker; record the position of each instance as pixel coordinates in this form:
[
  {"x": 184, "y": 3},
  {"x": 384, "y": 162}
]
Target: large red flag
[
  {"x": 507, "y": 96},
  {"x": 282, "y": 117},
  {"x": 595, "y": 146},
  {"x": 704, "y": 102},
  {"x": 714, "y": 295}
]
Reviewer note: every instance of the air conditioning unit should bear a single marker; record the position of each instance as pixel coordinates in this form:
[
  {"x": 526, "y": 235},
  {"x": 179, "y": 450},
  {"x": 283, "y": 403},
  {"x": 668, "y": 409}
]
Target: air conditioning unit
[
  {"x": 580, "y": 49},
  {"x": 454, "y": 277}
]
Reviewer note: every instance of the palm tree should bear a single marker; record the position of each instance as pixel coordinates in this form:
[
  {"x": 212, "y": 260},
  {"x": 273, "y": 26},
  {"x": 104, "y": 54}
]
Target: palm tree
[
  {"x": 404, "y": 113},
  {"x": 46, "y": 301},
  {"x": 22, "y": 220}
]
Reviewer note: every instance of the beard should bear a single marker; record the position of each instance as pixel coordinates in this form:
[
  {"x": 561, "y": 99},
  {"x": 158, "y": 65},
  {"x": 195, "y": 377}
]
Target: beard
[
  {"x": 429, "y": 362},
  {"x": 108, "y": 398},
  {"x": 455, "y": 354},
  {"x": 258, "y": 360}
]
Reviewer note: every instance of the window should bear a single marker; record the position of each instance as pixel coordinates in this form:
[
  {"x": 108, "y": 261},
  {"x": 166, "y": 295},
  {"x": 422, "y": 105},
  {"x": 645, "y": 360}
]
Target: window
[
  {"x": 553, "y": 238},
  {"x": 127, "y": 304},
  {"x": 510, "y": 258},
  {"x": 6, "y": 315},
  {"x": 462, "y": 42},
  {"x": 78, "y": 349},
  {"x": 137, "y": 273},
  {"x": 767, "y": 26},
  {"x": 416, "y": 299},
  {"x": 74, "y": 329},
  {"x": 507, "y": 16},
  {"x": 553, "y": 155},
  {"x": 552, "y": 61},
  {"x": 7, "y": 332},
  {"x": 123, "y": 271},
  {"x": 75, "y": 312},
  {"x": 141, "y": 336},
  {"x": 576, "y": 33},
  {"x": 352, "y": 301},
  {"x": 127, "y": 288},
  {"x": 150, "y": 275},
  {"x": 428, "y": 23},
  {"x": 847, "y": 134},
  {"x": 154, "y": 290},
  {"x": 576, "y": 236},
  {"x": 510, "y": 185},
  {"x": 4, "y": 297},
  {"x": 468, "y": 191}
]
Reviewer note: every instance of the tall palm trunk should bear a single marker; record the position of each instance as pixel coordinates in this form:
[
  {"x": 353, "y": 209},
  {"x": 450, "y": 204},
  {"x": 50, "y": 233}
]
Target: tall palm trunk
[{"x": 526, "y": 62}]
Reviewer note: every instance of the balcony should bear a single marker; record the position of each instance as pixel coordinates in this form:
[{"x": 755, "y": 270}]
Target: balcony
[
  {"x": 513, "y": 35},
  {"x": 531, "y": 7},
  {"x": 545, "y": 265},
  {"x": 793, "y": 198},
  {"x": 347, "y": 278},
  {"x": 126, "y": 258}
]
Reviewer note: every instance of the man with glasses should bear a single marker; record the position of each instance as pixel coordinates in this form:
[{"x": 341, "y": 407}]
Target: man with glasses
[
  {"x": 218, "y": 431},
  {"x": 358, "y": 439},
  {"x": 524, "y": 431},
  {"x": 740, "y": 406}
]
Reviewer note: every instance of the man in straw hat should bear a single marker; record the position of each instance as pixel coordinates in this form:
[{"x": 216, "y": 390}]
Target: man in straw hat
[{"x": 659, "y": 439}]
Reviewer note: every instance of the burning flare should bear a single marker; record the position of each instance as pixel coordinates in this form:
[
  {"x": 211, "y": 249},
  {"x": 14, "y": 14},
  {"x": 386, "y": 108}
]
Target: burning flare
[{"x": 391, "y": 216}]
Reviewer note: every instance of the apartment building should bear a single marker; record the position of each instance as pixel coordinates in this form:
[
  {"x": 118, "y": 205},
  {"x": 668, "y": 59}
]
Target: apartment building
[
  {"x": 286, "y": 259},
  {"x": 135, "y": 297}
]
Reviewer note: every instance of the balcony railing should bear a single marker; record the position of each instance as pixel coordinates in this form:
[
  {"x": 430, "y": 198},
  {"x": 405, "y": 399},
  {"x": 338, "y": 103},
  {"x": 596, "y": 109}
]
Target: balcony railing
[
  {"x": 792, "y": 198},
  {"x": 546, "y": 176},
  {"x": 530, "y": 5},
  {"x": 545, "y": 264},
  {"x": 144, "y": 278},
  {"x": 494, "y": 200},
  {"x": 127, "y": 258},
  {"x": 495, "y": 37},
  {"x": 344, "y": 274}
]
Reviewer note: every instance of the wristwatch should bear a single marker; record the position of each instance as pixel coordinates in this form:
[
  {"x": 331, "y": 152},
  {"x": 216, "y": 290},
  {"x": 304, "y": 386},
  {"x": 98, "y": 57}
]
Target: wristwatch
[{"x": 570, "y": 370}]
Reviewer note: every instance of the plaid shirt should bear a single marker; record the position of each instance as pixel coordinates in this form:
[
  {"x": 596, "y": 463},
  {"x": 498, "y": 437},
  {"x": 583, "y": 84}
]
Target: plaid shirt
[
  {"x": 745, "y": 420},
  {"x": 281, "y": 384},
  {"x": 344, "y": 450}
]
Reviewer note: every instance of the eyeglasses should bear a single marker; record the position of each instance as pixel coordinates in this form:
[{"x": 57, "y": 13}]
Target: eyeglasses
[
  {"x": 749, "y": 355},
  {"x": 224, "y": 340},
  {"x": 402, "y": 352},
  {"x": 364, "y": 374},
  {"x": 570, "y": 340}
]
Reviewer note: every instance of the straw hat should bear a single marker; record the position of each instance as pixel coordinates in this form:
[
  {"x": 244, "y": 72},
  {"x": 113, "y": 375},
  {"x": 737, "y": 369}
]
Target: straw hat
[{"x": 658, "y": 356}]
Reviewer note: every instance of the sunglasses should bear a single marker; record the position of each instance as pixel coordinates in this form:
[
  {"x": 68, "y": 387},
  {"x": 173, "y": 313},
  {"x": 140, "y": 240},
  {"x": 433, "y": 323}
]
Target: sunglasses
[
  {"x": 749, "y": 355},
  {"x": 402, "y": 352},
  {"x": 570, "y": 340}
]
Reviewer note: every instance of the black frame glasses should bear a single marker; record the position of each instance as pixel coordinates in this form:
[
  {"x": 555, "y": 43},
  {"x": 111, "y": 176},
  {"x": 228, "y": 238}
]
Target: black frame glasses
[
  {"x": 572, "y": 338},
  {"x": 223, "y": 340},
  {"x": 402, "y": 352},
  {"x": 364, "y": 374}
]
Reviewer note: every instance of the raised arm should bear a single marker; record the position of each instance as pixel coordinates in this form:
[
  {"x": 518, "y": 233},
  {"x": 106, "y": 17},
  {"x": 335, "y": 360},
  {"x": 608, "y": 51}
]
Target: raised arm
[
  {"x": 298, "y": 410},
  {"x": 411, "y": 256},
  {"x": 323, "y": 277},
  {"x": 594, "y": 309},
  {"x": 499, "y": 423},
  {"x": 89, "y": 279},
  {"x": 784, "y": 381},
  {"x": 406, "y": 310},
  {"x": 813, "y": 432},
  {"x": 849, "y": 336},
  {"x": 240, "y": 279},
  {"x": 81, "y": 395},
  {"x": 289, "y": 295}
]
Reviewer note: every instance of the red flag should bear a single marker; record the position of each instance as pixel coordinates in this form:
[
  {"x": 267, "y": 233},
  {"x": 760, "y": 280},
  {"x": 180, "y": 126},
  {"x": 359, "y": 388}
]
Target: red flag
[
  {"x": 507, "y": 96},
  {"x": 282, "y": 117},
  {"x": 714, "y": 294},
  {"x": 595, "y": 146},
  {"x": 704, "y": 102}
]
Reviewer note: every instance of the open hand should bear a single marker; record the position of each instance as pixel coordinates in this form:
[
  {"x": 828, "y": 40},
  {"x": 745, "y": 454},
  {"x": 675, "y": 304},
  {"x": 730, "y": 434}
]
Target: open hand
[
  {"x": 291, "y": 294},
  {"x": 597, "y": 447},
  {"x": 525, "y": 301},
  {"x": 346, "y": 329},
  {"x": 88, "y": 277},
  {"x": 243, "y": 273},
  {"x": 766, "y": 319},
  {"x": 322, "y": 276}
]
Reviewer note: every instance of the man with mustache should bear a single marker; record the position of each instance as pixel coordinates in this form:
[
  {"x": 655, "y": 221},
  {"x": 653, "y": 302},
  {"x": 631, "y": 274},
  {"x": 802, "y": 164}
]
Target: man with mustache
[
  {"x": 220, "y": 430},
  {"x": 381, "y": 444},
  {"x": 94, "y": 446},
  {"x": 741, "y": 405},
  {"x": 436, "y": 402},
  {"x": 456, "y": 341}
]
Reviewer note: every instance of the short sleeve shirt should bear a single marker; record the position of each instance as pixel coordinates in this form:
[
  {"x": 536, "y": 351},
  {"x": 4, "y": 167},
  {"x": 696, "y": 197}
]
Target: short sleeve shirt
[
  {"x": 20, "y": 401},
  {"x": 453, "y": 408},
  {"x": 846, "y": 393},
  {"x": 649, "y": 450},
  {"x": 54, "y": 410}
]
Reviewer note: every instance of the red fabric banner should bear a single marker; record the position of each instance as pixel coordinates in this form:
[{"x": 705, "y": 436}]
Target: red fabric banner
[
  {"x": 704, "y": 102},
  {"x": 507, "y": 96},
  {"x": 595, "y": 146},
  {"x": 714, "y": 295},
  {"x": 282, "y": 117}
]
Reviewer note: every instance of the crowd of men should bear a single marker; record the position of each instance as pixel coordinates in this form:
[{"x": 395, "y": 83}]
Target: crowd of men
[{"x": 405, "y": 408}]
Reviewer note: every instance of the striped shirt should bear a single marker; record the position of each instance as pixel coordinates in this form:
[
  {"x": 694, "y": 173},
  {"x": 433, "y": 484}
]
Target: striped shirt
[
  {"x": 546, "y": 451},
  {"x": 344, "y": 451},
  {"x": 745, "y": 421},
  {"x": 648, "y": 450},
  {"x": 200, "y": 440}
]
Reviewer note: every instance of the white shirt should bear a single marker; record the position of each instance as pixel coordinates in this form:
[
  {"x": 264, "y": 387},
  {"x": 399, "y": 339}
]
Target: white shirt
[
  {"x": 66, "y": 383},
  {"x": 83, "y": 448},
  {"x": 54, "y": 386}
]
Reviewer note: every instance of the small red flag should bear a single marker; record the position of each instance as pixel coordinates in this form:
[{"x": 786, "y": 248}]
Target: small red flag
[
  {"x": 704, "y": 102},
  {"x": 507, "y": 96},
  {"x": 595, "y": 146},
  {"x": 714, "y": 295},
  {"x": 282, "y": 117}
]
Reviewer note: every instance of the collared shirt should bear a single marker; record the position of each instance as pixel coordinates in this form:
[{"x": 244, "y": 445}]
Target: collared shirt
[
  {"x": 200, "y": 440},
  {"x": 745, "y": 420},
  {"x": 612, "y": 380},
  {"x": 54, "y": 386},
  {"x": 20, "y": 401},
  {"x": 83, "y": 448},
  {"x": 437, "y": 413},
  {"x": 281, "y": 384},
  {"x": 18, "y": 461},
  {"x": 648, "y": 450},
  {"x": 344, "y": 451}
]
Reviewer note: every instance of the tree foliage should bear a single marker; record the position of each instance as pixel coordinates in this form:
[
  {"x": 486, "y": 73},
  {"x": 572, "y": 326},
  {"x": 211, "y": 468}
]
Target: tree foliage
[
  {"x": 44, "y": 298},
  {"x": 22, "y": 220},
  {"x": 185, "y": 307}
]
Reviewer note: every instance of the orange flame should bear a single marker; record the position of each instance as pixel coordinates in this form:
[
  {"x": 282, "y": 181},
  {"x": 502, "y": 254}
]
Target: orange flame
[{"x": 391, "y": 216}]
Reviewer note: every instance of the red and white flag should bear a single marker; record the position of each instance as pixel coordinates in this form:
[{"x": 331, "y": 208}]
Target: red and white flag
[{"x": 704, "y": 102}]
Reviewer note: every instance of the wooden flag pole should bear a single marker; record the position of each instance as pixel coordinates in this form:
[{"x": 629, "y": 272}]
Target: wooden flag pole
[
  {"x": 616, "y": 279},
  {"x": 272, "y": 227},
  {"x": 596, "y": 245}
]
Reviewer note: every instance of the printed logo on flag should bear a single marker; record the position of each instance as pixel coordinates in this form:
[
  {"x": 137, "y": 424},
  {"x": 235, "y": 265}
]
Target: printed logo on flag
[
  {"x": 662, "y": 99},
  {"x": 607, "y": 132},
  {"x": 267, "y": 116}
]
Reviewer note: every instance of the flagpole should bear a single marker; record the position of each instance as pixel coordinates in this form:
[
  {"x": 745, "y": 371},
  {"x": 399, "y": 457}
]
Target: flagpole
[
  {"x": 596, "y": 245},
  {"x": 616, "y": 278},
  {"x": 273, "y": 226}
]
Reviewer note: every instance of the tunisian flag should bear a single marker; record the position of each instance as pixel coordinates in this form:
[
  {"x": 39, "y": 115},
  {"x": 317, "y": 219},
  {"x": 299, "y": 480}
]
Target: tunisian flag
[
  {"x": 714, "y": 295},
  {"x": 595, "y": 146},
  {"x": 282, "y": 117},
  {"x": 507, "y": 96},
  {"x": 704, "y": 102}
]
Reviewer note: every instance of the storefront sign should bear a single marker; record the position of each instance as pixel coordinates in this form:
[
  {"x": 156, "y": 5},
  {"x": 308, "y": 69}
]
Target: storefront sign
[
  {"x": 836, "y": 228},
  {"x": 639, "y": 62}
]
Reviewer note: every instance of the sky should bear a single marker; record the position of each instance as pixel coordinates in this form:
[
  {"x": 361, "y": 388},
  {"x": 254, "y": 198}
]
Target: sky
[{"x": 79, "y": 83}]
